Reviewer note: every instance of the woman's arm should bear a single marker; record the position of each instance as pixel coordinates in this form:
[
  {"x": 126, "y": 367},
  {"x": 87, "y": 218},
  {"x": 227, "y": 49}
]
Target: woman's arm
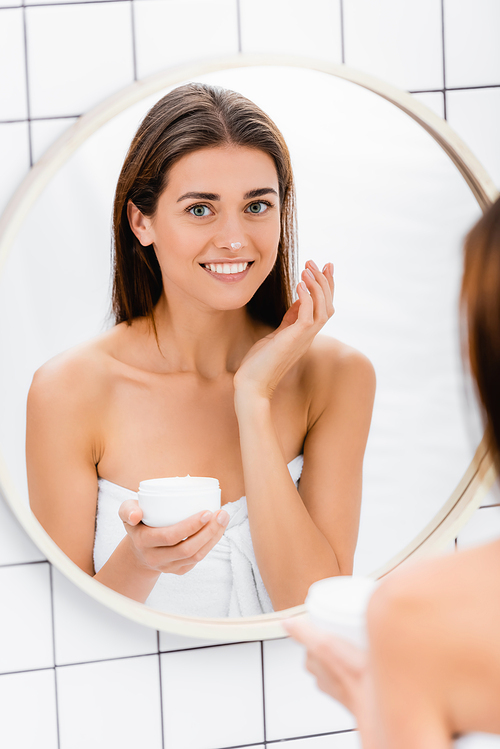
[
  {"x": 63, "y": 448},
  {"x": 302, "y": 537}
]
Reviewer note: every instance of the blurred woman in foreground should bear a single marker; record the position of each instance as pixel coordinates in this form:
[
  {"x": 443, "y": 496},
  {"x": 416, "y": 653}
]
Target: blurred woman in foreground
[{"x": 432, "y": 671}]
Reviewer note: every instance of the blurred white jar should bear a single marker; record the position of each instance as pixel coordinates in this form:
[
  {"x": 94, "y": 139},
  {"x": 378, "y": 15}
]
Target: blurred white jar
[
  {"x": 338, "y": 605},
  {"x": 169, "y": 500}
]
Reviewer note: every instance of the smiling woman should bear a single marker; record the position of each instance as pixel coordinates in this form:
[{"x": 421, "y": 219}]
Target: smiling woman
[{"x": 210, "y": 370}]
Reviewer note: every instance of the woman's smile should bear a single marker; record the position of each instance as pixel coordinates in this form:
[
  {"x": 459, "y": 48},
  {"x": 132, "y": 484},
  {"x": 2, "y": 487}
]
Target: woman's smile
[{"x": 228, "y": 271}]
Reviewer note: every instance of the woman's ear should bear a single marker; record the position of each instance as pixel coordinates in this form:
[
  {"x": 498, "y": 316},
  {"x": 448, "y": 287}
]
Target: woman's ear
[{"x": 140, "y": 225}]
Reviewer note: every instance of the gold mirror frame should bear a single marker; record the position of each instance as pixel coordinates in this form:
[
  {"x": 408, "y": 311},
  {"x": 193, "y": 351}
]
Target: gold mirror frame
[{"x": 479, "y": 476}]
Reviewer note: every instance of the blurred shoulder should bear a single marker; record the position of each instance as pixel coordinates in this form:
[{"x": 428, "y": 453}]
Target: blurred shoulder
[{"x": 427, "y": 597}]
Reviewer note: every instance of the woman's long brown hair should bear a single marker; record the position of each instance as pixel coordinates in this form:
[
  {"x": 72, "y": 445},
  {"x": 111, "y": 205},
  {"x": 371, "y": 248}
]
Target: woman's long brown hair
[
  {"x": 480, "y": 299},
  {"x": 187, "y": 119}
]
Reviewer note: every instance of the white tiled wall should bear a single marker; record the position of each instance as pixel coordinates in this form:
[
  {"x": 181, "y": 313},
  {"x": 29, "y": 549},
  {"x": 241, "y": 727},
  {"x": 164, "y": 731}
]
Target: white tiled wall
[{"x": 72, "y": 673}]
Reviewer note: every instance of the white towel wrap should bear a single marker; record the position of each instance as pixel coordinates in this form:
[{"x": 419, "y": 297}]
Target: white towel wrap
[{"x": 226, "y": 582}]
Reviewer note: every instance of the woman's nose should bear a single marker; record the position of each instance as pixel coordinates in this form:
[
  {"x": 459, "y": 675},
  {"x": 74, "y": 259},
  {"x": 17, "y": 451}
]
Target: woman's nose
[{"x": 230, "y": 235}]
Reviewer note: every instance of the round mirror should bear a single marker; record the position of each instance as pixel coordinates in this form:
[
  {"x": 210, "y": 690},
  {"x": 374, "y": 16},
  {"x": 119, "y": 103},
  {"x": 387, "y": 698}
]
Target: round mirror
[{"x": 385, "y": 190}]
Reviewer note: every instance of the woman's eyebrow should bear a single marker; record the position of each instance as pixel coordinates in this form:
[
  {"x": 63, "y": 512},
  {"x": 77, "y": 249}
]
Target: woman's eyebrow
[
  {"x": 214, "y": 196},
  {"x": 199, "y": 196},
  {"x": 259, "y": 193}
]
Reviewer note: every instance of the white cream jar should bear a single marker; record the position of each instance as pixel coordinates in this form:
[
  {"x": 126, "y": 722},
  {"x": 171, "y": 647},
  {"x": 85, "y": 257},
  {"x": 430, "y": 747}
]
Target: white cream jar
[
  {"x": 169, "y": 500},
  {"x": 338, "y": 604}
]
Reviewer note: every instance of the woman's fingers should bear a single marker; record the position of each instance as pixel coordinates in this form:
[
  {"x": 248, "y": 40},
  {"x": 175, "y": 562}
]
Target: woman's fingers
[
  {"x": 303, "y": 631},
  {"x": 177, "y": 547},
  {"x": 181, "y": 557},
  {"x": 130, "y": 513},
  {"x": 320, "y": 286},
  {"x": 189, "y": 562}
]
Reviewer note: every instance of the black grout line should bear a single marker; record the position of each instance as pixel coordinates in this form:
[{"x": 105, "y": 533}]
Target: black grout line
[
  {"x": 313, "y": 736},
  {"x": 244, "y": 746},
  {"x": 342, "y": 40},
  {"x": 263, "y": 690},
  {"x": 309, "y": 736},
  {"x": 106, "y": 660},
  {"x": 57, "y": 5},
  {"x": 125, "y": 657},
  {"x": 54, "y": 651},
  {"x": 238, "y": 23},
  {"x": 27, "y": 671},
  {"x": 473, "y": 88},
  {"x": 41, "y": 119},
  {"x": 28, "y": 105},
  {"x": 444, "y": 59},
  {"x": 205, "y": 647},
  {"x": 134, "y": 47},
  {"x": 427, "y": 91},
  {"x": 23, "y": 564},
  {"x": 161, "y": 692}
]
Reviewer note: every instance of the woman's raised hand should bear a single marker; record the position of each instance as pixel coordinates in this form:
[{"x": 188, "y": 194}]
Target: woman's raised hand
[
  {"x": 271, "y": 357},
  {"x": 176, "y": 548}
]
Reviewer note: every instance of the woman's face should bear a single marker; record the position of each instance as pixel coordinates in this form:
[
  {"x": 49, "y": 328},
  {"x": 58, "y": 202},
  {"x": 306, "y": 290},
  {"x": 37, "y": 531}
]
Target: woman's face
[{"x": 217, "y": 226}]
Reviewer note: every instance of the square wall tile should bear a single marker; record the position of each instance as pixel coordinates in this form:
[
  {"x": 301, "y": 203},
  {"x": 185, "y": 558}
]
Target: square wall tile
[
  {"x": 471, "y": 42},
  {"x": 344, "y": 740},
  {"x": 169, "y": 33},
  {"x": 13, "y": 98},
  {"x": 44, "y": 133},
  {"x": 10, "y": 3},
  {"x": 29, "y": 716},
  {"x": 292, "y": 27},
  {"x": 483, "y": 527},
  {"x": 85, "y": 630},
  {"x": 475, "y": 115},
  {"x": 212, "y": 697},
  {"x": 110, "y": 704},
  {"x": 26, "y": 624},
  {"x": 15, "y": 546},
  {"x": 78, "y": 55},
  {"x": 433, "y": 100},
  {"x": 294, "y": 704},
  {"x": 399, "y": 42}
]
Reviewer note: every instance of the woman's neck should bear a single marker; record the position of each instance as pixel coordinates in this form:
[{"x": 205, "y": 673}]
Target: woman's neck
[{"x": 205, "y": 342}]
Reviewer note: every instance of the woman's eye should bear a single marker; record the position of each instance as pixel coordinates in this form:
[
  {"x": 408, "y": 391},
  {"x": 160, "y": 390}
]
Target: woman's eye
[
  {"x": 199, "y": 210},
  {"x": 259, "y": 207}
]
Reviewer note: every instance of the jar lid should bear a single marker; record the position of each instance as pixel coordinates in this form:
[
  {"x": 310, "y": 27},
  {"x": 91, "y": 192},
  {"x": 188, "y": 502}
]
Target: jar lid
[
  {"x": 341, "y": 598},
  {"x": 180, "y": 483}
]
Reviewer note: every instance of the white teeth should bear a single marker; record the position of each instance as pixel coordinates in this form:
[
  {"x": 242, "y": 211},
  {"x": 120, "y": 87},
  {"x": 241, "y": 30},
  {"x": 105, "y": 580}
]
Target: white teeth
[{"x": 227, "y": 268}]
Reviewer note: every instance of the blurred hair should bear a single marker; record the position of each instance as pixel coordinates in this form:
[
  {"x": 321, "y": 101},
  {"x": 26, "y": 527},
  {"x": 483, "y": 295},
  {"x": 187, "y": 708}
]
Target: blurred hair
[
  {"x": 480, "y": 298},
  {"x": 190, "y": 118}
]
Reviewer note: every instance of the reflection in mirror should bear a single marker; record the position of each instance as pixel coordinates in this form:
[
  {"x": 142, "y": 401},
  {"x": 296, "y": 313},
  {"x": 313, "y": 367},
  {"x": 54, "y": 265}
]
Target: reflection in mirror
[{"x": 378, "y": 197}]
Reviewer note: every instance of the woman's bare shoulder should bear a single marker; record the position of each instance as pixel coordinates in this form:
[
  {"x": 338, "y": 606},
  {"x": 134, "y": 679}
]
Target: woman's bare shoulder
[
  {"x": 335, "y": 367},
  {"x": 433, "y": 592},
  {"x": 78, "y": 374}
]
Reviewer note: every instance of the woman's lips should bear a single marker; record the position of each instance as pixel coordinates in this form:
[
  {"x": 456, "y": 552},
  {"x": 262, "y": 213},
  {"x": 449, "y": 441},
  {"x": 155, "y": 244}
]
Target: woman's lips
[{"x": 227, "y": 272}]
